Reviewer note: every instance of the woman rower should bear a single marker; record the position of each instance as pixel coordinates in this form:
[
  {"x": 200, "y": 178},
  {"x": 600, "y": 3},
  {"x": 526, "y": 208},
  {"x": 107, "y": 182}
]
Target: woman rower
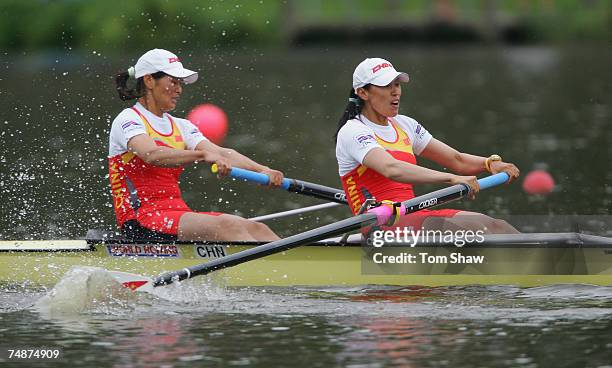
[
  {"x": 376, "y": 148},
  {"x": 147, "y": 153}
]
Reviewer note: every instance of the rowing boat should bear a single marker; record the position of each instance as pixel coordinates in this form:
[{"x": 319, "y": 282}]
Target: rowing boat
[
  {"x": 515, "y": 259},
  {"x": 312, "y": 258}
]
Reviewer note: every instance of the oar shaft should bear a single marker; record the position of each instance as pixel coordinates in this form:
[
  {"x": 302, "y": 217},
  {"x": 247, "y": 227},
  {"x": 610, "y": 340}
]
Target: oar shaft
[
  {"x": 291, "y": 185},
  {"x": 294, "y": 241},
  {"x": 317, "y": 191},
  {"x": 438, "y": 197}
]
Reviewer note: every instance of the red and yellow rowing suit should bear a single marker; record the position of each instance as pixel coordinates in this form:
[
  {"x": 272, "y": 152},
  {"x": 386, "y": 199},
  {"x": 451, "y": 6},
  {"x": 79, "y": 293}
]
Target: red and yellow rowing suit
[
  {"x": 147, "y": 193},
  {"x": 362, "y": 182}
]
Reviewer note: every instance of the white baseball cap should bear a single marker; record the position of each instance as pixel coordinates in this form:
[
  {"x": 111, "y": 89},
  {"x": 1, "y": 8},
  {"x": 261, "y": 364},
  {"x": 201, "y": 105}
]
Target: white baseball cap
[
  {"x": 376, "y": 71},
  {"x": 159, "y": 60}
]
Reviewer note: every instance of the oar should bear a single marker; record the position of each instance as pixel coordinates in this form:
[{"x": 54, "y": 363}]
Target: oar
[
  {"x": 291, "y": 185},
  {"x": 376, "y": 216}
]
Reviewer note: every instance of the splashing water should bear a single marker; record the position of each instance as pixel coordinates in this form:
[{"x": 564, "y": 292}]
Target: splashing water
[{"x": 85, "y": 289}]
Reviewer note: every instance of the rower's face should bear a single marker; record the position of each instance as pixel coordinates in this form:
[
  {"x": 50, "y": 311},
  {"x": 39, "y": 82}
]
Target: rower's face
[
  {"x": 384, "y": 100},
  {"x": 166, "y": 92}
]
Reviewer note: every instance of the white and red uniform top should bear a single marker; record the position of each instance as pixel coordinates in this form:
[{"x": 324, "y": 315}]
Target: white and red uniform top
[
  {"x": 403, "y": 138},
  {"x": 143, "y": 191}
]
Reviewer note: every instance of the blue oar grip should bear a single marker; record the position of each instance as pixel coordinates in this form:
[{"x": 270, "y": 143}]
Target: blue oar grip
[
  {"x": 252, "y": 176},
  {"x": 493, "y": 180}
]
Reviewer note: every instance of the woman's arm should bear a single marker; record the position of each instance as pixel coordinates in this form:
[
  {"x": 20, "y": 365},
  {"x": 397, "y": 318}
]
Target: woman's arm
[
  {"x": 234, "y": 158},
  {"x": 145, "y": 148},
  {"x": 382, "y": 162},
  {"x": 464, "y": 163},
  {"x": 446, "y": 156}
]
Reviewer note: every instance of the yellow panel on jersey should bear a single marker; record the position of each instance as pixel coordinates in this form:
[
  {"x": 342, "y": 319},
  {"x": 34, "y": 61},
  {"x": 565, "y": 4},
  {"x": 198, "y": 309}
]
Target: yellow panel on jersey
[
  {"x": 402, "y": 142},
  {"x": 174, "y": 139}
]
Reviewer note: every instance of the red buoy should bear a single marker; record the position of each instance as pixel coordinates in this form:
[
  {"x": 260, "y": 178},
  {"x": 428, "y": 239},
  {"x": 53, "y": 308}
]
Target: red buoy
[
  {"x": 538, "y": 182},
  {"x": 211, "y": 120}
]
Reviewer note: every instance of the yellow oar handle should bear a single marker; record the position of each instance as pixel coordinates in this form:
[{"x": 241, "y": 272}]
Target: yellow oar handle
[{"x": 214, "y": 168}]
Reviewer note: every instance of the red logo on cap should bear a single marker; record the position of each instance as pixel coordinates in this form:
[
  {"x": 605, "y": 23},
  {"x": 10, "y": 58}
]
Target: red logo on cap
[
  {"x": 173, "y": 60},
  {"x": 381, "y": 66}
]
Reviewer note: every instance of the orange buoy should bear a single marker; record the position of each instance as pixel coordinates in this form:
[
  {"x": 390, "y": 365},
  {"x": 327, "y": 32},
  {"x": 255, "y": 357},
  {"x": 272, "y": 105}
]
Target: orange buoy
[
  {"x": 211, "y": 120},
  {"x": 538, "y": 182}
]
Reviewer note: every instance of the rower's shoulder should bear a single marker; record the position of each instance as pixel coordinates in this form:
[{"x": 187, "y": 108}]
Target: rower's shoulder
[
  {"x": 355, "y": 124},
  {"x": 352, "y": 128},
  {"x": 125, "y": 122},
  {"x": 124, "y": 115}
]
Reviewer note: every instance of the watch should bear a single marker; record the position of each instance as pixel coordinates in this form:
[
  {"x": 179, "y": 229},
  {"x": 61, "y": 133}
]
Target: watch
[{"x": 490, "y": 159}]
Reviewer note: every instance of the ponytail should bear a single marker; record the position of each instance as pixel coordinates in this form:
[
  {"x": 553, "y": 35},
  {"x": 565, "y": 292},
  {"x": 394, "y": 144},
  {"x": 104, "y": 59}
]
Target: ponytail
[
  {"x": 126, "y": 93},
  {"x": 351, "y": 111}
]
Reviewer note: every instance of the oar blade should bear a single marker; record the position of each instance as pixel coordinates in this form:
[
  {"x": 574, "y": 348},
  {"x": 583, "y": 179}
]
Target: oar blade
[{"x": 133, "y": 281}]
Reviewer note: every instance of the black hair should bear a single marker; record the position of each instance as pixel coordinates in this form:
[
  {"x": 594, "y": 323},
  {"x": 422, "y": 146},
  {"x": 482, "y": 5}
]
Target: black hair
[
  {"x": 126, "y": 93},
  {"x": 351, "y": 111}
]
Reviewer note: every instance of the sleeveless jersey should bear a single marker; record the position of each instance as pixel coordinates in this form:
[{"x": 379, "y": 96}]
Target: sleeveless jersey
[
  {"x": 139, "y": 186},
  {"x": 362, "y": 183}
]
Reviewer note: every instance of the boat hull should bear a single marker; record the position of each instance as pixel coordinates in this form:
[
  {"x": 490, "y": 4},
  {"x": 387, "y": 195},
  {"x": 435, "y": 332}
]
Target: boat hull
[{"x": 320, "y": 265}]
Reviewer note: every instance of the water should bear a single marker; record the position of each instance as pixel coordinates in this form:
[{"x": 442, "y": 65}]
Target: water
[
  {"x": 538, "y": 107},
  {"x": 561, "y": 326}
]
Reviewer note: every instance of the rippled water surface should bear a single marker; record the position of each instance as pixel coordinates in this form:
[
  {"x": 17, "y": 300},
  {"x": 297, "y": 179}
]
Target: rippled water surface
[{"x": 561, "y": 326}]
